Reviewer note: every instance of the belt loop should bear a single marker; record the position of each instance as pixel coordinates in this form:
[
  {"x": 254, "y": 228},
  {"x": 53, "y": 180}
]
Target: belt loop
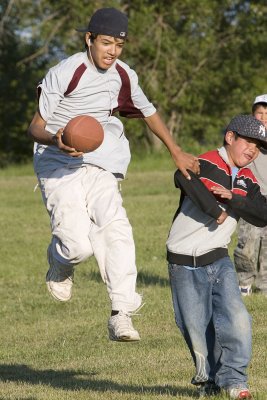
[{"x": 194, "y": 261}]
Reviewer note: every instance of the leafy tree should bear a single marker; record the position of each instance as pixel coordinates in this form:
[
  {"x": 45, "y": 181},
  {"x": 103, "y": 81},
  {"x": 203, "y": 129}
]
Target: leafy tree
[
  {"x": 199, "y": 62},
  {"x": 16, "y": 87},
  {"x": 202, "y": 62}
]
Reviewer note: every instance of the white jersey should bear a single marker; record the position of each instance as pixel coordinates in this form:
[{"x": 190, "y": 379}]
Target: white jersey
[{"x": 75, "y": 87}]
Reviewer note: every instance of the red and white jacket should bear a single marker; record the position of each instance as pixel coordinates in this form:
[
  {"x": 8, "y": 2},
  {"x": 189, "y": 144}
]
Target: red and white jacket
[{"x": 194, "y": 231}]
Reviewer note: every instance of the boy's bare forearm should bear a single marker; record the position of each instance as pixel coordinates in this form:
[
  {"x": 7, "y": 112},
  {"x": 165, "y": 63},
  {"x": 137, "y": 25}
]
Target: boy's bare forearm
[
  {"x": 38, "y": 133},
  {"x": 182, "y": 160}
]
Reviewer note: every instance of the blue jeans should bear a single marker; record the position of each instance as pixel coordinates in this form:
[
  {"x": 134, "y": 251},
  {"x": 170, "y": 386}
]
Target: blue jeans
[{"x": 214, "y": 321}]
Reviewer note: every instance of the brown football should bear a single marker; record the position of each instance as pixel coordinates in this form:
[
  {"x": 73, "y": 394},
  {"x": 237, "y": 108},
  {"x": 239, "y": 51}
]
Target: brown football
[{"x": 84, "y": 133}]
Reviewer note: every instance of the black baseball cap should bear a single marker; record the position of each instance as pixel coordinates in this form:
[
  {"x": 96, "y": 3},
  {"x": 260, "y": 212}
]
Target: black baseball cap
[
  {"x": 248, "y": 126},
  {"x": 108, "y": 21}
]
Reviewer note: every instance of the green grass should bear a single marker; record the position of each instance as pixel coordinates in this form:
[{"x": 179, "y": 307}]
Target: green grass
[{"x": 60, "y": 351}]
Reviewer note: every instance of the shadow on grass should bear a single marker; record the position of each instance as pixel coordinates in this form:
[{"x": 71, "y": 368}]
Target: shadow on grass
[
  {"x": 76, "y": 380},
  {"x": 143, "y": 279}
]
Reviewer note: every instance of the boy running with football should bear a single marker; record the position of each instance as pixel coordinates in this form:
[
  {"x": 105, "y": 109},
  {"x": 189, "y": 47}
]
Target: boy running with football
[{"x": 80, "y": 191}]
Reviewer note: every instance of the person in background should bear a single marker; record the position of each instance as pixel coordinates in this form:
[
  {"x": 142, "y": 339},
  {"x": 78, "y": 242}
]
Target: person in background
[{"x": 250, "y": 254}]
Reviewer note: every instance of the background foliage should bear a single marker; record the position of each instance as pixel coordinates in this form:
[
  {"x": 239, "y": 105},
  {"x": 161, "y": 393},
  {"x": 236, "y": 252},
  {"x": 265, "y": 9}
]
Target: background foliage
[{"x": 200, "y": 62}]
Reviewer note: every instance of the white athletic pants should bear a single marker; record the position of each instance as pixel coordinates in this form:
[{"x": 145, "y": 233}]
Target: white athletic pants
[{"x": 87, "y": 218}]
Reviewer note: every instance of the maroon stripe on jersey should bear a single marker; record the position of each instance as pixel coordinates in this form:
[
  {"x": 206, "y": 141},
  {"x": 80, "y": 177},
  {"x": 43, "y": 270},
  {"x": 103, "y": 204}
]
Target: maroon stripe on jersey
[
  {"x": 75, "y": 79},
  {"x": 126, "y": 106}
]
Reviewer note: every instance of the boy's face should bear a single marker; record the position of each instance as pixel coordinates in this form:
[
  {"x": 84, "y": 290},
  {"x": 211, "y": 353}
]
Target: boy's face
[
  {"x": 261, "y": 114},
  {"x": 105, "y": 50},
  {"x": 241, "y": 150}
]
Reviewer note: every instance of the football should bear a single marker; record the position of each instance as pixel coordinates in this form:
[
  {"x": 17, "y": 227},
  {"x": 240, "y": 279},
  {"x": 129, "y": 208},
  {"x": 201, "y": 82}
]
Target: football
[{"x": 84, "y": 133}]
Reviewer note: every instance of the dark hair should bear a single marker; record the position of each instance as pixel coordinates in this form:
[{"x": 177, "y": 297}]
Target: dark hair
[
  {"x": 92, "y": 38},
  {"x": 255, "y": 106},
  {"x": 236, "y": 135}
]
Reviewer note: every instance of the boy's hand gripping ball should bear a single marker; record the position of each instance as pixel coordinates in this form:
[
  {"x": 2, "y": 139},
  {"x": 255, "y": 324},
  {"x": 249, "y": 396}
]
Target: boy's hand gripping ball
[{"x": 83, "y": 133}]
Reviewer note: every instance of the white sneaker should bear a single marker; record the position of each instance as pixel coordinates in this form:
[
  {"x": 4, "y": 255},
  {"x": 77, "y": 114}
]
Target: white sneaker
[
  {"x": 120, "y": 328},
  {"x": 59, "y": 279},
  {"x": 245, "y": 290}
]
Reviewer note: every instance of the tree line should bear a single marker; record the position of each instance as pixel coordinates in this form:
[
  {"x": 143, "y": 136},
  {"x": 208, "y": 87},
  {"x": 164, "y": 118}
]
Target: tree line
[{"x": 200, "y": 63}]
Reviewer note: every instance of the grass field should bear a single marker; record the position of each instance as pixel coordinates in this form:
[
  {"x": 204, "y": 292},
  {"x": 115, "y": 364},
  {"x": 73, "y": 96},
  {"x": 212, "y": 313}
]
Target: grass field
[{"x": 57, "y": 351}]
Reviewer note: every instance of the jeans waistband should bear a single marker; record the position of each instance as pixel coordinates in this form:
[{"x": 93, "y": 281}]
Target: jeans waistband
[{"x": 197, "y": 261}]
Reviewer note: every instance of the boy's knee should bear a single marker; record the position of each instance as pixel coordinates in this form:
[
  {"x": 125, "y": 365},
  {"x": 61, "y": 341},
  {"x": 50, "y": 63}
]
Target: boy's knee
[
  {"x": 79, "y": 252},
  {"x": 75, "y": 252}
]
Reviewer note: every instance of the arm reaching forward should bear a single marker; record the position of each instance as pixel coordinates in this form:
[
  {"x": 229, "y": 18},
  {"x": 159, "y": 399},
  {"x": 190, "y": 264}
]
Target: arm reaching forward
[{"x": 183, "y": 161}]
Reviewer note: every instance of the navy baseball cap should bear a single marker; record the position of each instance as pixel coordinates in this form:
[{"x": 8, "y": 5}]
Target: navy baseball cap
[
  {"x": 108, "y": 21},
  {"x": 248, "y": 126}
]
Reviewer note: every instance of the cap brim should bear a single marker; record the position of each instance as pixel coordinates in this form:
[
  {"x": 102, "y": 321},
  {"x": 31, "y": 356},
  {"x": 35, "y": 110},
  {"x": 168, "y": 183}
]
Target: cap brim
[
  {"x": 264, "y": 145},
  {"x": 259, "y": 102}
]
